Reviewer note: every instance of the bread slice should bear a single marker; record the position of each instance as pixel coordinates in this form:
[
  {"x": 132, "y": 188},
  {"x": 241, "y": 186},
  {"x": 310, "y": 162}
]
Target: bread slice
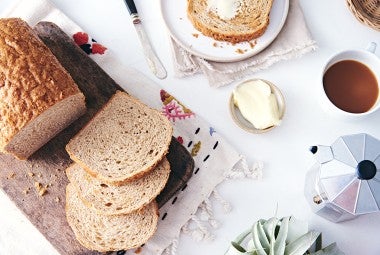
[
  {"x": 109, "y": 233},
  {"x": 125, "y": 140},
  {"x": 38, "y": 97},
  {"x": 250, "y": 21},
  {"x": 111, "y": 200}
]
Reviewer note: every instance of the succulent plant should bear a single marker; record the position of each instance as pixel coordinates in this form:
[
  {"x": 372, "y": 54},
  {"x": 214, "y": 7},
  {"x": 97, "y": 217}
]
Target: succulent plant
[{"x": 286, "y": 236}]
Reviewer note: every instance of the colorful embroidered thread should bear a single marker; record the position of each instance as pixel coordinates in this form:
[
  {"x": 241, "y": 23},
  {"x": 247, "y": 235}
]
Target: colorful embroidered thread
[
  {"x": 196, "y": 148},
  {"x": 173, "y": 109}
]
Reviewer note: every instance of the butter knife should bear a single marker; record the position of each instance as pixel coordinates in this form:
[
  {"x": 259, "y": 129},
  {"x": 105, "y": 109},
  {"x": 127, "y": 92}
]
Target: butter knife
[{"x": 154, "y": 62}]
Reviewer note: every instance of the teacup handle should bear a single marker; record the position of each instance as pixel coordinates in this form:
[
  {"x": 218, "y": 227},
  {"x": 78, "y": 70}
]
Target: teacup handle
[{"x": 372, "y": 47}]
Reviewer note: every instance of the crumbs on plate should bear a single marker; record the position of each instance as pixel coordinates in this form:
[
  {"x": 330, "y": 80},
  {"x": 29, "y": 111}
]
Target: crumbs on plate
[
  {"x": 195, "y": 35},
  {"x": 239, "y": 51},
  {"x": 252, "y": 44}
]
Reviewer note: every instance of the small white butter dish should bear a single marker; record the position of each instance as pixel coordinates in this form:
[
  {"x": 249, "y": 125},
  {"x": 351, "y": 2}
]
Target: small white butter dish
[{"x": 245, "y": 124}]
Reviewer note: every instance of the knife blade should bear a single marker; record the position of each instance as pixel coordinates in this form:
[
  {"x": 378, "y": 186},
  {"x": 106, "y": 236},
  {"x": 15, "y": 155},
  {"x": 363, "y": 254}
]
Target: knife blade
[{"x": 153, "y": 61}]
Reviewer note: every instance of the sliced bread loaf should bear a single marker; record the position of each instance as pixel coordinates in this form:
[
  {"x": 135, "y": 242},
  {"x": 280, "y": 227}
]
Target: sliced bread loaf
[
  {"x": 250, "y": 21},
  {"x": 109, "y": 233},
  {"x": 38, "y": 97},
  {"x": 111, "y": 200},
  {"x": 124, "y": 141}
]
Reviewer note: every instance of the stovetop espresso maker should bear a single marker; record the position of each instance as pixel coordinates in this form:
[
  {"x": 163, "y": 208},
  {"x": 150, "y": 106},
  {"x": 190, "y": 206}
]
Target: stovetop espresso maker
[{"x": 345, "y": 180}]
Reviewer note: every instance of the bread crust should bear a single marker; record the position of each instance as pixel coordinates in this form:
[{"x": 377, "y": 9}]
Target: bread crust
[
  {"x": 228, "y": 35},
  {"x": 31, "y": 78},
  {"x": 232, "y": 38}
]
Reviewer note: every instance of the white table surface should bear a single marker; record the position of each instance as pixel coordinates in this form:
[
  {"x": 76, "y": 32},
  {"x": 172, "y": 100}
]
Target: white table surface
[{"x": 284, "y": 150}]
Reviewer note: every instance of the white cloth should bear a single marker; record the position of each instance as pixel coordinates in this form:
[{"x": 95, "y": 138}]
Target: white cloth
[
  {"x": 294, "y": 40},
  {"x": 214, "y": 158}
]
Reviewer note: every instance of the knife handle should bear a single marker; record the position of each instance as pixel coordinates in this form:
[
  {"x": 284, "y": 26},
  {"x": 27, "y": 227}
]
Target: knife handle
[{"x": 131, "y": 6}]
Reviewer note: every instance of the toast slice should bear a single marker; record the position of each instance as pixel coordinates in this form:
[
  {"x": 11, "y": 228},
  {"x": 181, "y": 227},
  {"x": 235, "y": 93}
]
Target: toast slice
[
  {"x": 109, "y": 233},
  {"x": 112, "y": 200},
  {"x": 125, "y": 140},
  {"x": 250, "y": 21}
]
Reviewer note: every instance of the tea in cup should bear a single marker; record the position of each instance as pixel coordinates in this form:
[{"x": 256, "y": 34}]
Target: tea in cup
[{"x": 350, "y": 82}]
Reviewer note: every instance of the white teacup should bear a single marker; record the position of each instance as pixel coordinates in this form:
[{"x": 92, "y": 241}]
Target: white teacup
[{"x": 366, "y": 57}]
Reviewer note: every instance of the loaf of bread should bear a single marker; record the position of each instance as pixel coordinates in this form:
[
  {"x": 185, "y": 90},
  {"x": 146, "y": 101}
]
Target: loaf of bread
[
  {"x": 107, "y": 199},
  {"x": 125, "y": 140},
  {"x": 109, "y": 233},
  {"x": 38, "y": 98},
  {"x": 250, "y": 21}
]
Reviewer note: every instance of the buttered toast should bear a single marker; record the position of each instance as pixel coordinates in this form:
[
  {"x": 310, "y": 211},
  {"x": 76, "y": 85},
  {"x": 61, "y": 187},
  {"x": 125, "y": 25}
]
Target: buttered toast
[{"x": 250, "y": 19}]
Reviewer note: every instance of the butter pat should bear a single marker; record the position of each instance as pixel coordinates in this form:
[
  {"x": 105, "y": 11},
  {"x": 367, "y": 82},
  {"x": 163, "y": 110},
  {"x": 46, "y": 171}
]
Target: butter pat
[
  {"x": 225, "y": 9},
  {"x": 257, "y": 104}
]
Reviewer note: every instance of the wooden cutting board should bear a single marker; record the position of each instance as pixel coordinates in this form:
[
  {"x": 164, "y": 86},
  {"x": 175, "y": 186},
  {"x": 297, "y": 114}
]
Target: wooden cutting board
[{"x": 37, "y": 186}]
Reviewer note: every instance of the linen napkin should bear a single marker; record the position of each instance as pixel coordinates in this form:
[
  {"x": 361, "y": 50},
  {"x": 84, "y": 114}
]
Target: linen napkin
[
  {"x": 294, "y": 40},
  {"x": 215, "y": 160}
]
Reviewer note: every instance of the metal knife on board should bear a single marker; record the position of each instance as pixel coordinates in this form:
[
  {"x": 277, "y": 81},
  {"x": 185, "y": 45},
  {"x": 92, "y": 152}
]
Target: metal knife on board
[{"x": 154, "y": 62}]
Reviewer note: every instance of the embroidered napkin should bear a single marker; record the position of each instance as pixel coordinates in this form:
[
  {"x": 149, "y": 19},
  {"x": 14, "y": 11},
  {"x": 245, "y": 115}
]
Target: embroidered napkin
[
  {"x": 214, "y": 158},
  {"x": 294, "y": 40}
]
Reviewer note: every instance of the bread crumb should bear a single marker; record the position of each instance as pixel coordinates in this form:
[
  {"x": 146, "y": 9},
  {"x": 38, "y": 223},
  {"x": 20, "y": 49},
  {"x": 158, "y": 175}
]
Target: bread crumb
[
  {"x": 138, "y": 250},
  {"x": 240, "y": 51},
  {"x": 40, "y": 175},
  {"x": 57, "y": 199},
  {"x": 252, "y": 44},
  {"x": 195, "y": 35},
  {"x": 42, "y": 192},
  {"x": 26, "y": 191},
  {"x": 215, "y": 44},
  {"x": 30, "y": 174},
  {"x": 11, "y": 175},
  {"x": 40, "y": 189}
]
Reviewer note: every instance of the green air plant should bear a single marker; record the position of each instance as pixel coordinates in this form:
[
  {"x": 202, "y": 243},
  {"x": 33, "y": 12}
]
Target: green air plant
[{"x": 286, "y": 236}]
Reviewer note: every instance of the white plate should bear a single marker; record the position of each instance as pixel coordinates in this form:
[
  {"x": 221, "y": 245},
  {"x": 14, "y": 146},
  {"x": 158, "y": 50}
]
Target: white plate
[{"x": 183, "y": 32}]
